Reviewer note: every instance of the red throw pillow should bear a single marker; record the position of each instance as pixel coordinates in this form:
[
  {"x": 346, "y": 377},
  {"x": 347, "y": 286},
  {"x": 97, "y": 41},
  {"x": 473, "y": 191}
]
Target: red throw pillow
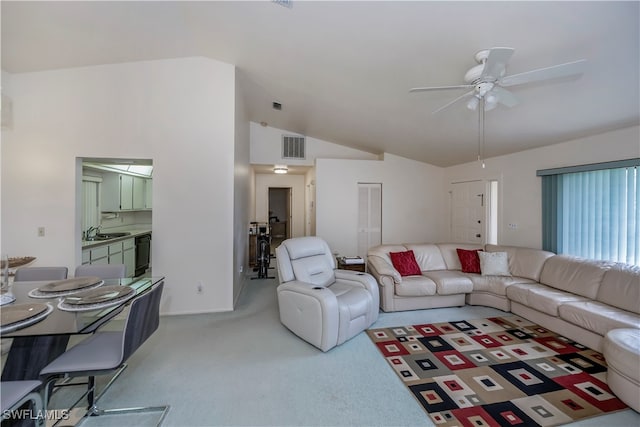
[
  {"x": 469, "y": 260},
  {"x": 405, "y": 263}
]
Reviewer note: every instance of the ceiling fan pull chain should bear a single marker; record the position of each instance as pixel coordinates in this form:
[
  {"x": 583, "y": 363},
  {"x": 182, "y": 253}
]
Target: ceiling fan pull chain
[{"x": 481, "y": 132}]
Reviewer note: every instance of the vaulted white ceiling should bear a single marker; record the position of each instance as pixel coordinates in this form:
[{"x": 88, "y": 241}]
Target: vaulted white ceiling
[{"x": 342, "y": 70}]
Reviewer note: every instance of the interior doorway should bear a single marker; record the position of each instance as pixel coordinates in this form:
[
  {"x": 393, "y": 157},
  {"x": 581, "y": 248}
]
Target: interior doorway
[{"x": 279, "y": 215}]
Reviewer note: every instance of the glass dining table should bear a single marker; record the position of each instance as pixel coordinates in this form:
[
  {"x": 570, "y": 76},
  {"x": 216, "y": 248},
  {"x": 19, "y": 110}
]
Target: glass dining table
[{"x": 36, "y": 344}]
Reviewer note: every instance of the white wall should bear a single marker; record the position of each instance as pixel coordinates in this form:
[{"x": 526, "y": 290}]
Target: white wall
[
  {"x": 297, "y": 185},
  {"x": 412, "y": 200},
  {"x": 180, "y": 114},
  {"x": 520, "y": 188},
  {"x": 266, "y": 148},
  {"x": 242, "y": 191}
]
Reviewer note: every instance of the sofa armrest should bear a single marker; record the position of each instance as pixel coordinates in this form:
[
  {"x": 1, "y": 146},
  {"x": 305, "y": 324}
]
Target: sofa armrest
[{"x": 380, "y": 267}]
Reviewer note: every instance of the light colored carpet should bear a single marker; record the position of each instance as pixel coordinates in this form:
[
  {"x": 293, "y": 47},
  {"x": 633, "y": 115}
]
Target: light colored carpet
[{"x": 243, "y": 368}]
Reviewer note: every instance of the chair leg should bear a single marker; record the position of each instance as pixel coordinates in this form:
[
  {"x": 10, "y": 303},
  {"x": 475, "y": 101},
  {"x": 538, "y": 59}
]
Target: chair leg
[
  {"x": 91, "y": 385},
  {"x": 92, "y": 400},
  {"x": 142, "y": 409}
]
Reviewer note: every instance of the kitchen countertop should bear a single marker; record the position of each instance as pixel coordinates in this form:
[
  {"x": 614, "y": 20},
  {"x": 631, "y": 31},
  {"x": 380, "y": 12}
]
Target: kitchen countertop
[{"x": 134, "y": 233}]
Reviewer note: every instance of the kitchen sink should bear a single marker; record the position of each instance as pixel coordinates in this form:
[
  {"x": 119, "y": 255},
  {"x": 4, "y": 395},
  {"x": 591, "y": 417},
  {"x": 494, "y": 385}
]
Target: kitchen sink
[{"x": 108, "y": 236}]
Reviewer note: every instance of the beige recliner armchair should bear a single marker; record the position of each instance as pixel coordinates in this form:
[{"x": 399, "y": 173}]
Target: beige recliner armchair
[{"x": 320, "y": 304}]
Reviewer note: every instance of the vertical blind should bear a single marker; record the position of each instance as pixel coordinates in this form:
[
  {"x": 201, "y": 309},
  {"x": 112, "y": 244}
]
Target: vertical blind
[{"x": 592, "y": 211}]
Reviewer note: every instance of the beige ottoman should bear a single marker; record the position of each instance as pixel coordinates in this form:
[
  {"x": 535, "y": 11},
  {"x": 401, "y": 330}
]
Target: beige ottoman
[{"x": 622, "y": 351}]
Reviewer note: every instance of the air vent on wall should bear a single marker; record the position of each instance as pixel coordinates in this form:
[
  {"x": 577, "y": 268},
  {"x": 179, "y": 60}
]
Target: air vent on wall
[{"x": 293, "y": 147}]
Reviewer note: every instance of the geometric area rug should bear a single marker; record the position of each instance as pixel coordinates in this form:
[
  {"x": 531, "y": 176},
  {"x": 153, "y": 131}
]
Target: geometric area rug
[{"x": 500, "y": 371}]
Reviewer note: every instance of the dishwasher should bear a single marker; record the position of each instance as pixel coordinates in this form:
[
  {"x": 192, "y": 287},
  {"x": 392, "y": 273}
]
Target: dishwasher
[{"x": 143, "y": 253}]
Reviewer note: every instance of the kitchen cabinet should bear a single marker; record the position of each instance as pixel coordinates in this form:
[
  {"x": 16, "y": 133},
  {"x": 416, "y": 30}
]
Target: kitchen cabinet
[
  {"x": 148, "y": 192},
  {"x": 123, "y": 252},
  {"x": 137, "y": 186},
  {"x": 115, "y": 253},
  {"x": 125, "y": 193},
  {"x": 97, "y": 255},
  {"x": 129, "y": 256}
]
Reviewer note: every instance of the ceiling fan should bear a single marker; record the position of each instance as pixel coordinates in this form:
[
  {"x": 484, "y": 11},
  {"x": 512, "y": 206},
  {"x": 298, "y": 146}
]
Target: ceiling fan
[{"x": 487, "y": 80}]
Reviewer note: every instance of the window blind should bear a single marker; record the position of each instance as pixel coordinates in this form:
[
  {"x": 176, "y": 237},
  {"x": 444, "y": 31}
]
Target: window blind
[{"x": 593, "y": 213}]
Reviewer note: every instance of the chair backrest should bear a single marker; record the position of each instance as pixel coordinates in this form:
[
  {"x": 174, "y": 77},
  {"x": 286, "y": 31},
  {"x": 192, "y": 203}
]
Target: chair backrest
[
  {"x": 307, "y": 259},
  {"x": 32, "y": 274},
  {"x": 103, "y": 271},
  {"x": 142, "y": 321}
]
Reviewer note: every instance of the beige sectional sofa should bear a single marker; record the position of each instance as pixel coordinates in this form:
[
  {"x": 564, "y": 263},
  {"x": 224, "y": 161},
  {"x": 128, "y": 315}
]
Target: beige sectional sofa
[{"x": 579, "y": 298}]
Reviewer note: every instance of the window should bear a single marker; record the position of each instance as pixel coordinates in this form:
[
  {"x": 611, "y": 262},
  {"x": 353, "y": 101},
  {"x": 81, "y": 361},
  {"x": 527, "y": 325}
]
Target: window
[{"x": 592, "y": 211}]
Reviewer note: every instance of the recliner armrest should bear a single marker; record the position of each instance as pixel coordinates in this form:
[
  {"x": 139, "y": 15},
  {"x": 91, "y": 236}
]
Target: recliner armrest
[
  {"x": 309, "y": 289},
  {"x": 311, "y": 312}
]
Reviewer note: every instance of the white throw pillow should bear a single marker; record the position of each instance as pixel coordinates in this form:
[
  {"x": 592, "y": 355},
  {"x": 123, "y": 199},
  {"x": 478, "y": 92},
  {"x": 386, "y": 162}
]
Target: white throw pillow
[{"x": 494, "y": 263}]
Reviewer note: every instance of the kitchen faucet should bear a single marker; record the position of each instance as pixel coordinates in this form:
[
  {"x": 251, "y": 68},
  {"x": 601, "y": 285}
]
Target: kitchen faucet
[{"x": 88, "y": 233}]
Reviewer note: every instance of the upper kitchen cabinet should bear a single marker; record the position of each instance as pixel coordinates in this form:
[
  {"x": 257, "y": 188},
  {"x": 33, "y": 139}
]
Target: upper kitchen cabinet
[{"x": 122, "y": 192}]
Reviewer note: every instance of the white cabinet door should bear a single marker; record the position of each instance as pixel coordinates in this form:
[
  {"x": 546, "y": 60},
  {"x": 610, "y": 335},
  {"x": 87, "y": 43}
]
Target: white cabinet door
[
  {"x": 115, "y": 253},
  {"x": 126, "y": 192},
  {"x": 129, "y": 256},
  {"x": 148, "y": 193},
  {"x": 138, "y": 192}
]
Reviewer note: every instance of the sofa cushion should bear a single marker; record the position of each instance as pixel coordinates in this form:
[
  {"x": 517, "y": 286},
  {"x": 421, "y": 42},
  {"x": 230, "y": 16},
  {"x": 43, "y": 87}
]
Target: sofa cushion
[
  {"x": 548, "y": 300},
  {"x": 415, "y": 286},
  {"x": 450, "y": 282},
  {"x": 496, "y": 284},
  {"x": 494, "y": 264},
  {"x": 405, "y": 263},
  {"x": 523, "y": 262},
  {"x": 469, "y": 260},
  {"x": 428, "y": 256},
  {"x": 449, "y": 253},
  {"x": 598, "y": 317},
  {"x": 576, "y": 275},
  {"x": 620, "y": 287}
]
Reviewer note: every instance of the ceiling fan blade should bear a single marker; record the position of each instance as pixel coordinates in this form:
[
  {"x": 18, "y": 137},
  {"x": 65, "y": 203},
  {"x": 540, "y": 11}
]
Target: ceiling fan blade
[
  {"x": 454, "y": 101},
  {"x": 553, "y": 72},
  {"x": 428, "y": 89},
  {"x": 505, "y": 97},
  {"x": 496, "y": 63}
]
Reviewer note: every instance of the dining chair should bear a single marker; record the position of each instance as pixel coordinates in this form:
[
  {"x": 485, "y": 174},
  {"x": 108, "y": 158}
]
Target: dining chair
[
  {"x": 14, "y": 394},
  {"x": 28, "y": 274},
  {"x": 103, "y": 271},
  {"x": 107, "y": 352}
]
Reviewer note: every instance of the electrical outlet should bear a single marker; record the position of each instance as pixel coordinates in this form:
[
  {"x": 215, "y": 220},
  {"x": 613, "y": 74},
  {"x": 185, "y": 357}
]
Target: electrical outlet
[
  {"x": 241, "y": 269},
  {"x": 40, "y": 231},
  {"x": 512, "y": 225}
]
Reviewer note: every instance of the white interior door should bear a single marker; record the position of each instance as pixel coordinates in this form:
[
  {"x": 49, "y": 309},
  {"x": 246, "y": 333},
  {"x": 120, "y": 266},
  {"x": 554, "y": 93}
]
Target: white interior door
[
  {"x": 369, "y": 217},
  {"x": 468, "y": 212}
]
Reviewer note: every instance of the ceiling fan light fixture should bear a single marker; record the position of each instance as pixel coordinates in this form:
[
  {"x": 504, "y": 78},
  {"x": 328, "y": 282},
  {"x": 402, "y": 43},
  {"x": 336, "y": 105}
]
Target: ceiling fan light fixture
[
  {"x": 490, "y": 102},
  {"x": 472, "y": 104},
  {"x": 280, "y": 169}
]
